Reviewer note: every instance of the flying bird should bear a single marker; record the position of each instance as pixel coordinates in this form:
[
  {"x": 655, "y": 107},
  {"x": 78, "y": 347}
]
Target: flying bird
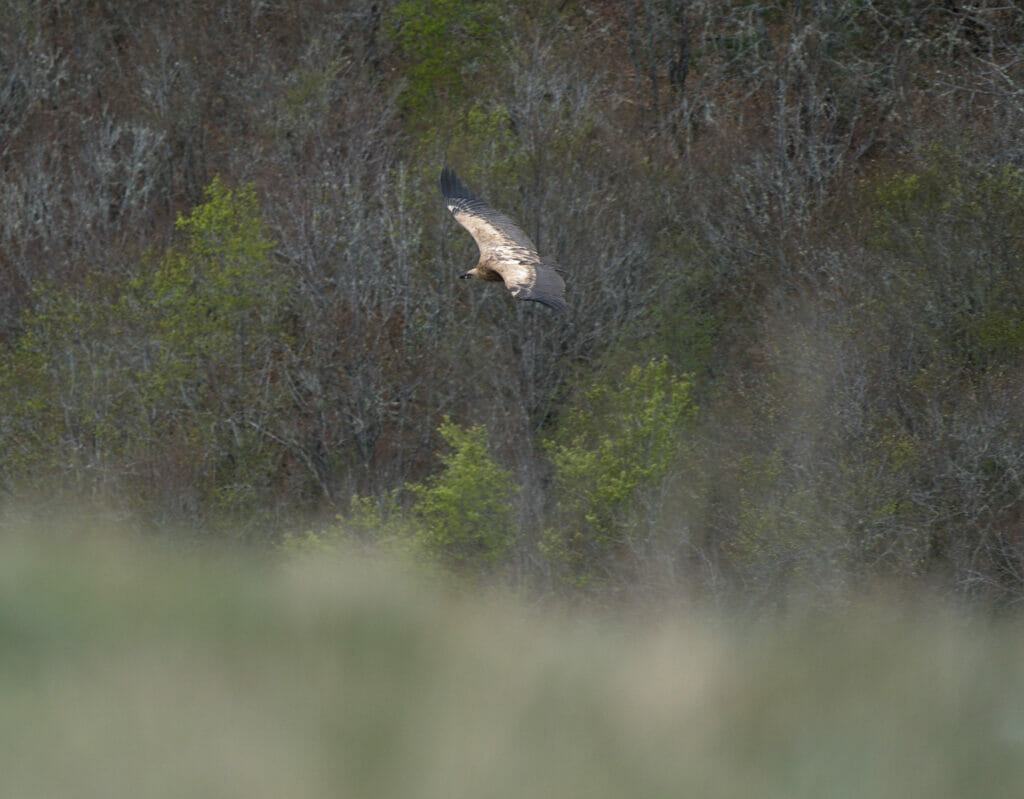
[{"x": 506, "y": 252}]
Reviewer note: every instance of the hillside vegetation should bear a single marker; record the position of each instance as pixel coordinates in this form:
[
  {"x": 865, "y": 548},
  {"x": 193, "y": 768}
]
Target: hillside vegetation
[{"x": 793, "y": 238}]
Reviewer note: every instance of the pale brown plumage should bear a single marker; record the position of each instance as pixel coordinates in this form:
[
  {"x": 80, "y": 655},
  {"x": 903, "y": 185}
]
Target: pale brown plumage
[{"x": 506, "y": 252}]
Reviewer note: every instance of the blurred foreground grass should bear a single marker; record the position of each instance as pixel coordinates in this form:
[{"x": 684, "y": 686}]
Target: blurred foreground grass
[{"x": 127, "y": 670}]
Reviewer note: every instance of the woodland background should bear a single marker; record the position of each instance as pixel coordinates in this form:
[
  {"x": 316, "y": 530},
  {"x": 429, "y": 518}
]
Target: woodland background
[{"x": 793, "y": 238}]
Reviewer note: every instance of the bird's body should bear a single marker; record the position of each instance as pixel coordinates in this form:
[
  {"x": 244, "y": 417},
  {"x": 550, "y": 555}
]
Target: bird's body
[{"x": 506, "y": 252}]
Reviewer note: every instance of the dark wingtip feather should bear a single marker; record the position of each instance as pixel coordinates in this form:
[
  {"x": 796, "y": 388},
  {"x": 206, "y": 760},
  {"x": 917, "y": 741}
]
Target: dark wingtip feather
[
  {"x": 550, "y": 301},
  {"x": 452, "y": 187},
  {"x": 447, "y": 175},
  {"x": 559, "y": 306}
]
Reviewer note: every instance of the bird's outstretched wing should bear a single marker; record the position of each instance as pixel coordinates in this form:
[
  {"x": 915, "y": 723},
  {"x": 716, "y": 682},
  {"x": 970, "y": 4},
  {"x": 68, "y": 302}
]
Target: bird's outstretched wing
[{"x": 504, "y": 247}]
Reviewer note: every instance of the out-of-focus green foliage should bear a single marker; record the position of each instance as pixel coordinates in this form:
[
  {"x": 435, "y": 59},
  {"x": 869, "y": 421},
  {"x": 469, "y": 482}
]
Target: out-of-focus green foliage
[
  {"x": 378, "y": 523},
  {"x": 224, "y": 675},
  {"x": 465, "y": 511}
]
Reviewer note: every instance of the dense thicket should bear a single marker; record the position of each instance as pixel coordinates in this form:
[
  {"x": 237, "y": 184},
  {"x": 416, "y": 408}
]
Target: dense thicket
[{"x": 793, "y": 235}]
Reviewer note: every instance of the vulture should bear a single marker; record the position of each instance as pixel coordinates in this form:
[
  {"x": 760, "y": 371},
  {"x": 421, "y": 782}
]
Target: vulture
[{"x": 506, "y": 252}]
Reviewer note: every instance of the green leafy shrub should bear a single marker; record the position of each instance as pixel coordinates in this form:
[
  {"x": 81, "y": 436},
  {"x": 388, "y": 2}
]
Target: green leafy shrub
[
  {"x": 614, "y": 449},
  {"x": 167, "y": 383},
  {"x": 369, "y": 523},
  {"x": 68, "y": 391},
  {"x": 464, "y": 512},
  {"x": 953, "y": 238},
  {"x": 446, "y": 44},
  {"x": 460, "y": 517},
  {"x": 215, "y": 309}
]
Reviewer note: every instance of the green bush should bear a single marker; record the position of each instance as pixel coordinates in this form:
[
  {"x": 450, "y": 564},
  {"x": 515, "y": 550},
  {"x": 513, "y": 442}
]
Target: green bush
[
  {"x": 447, "y": 45},
  {"x": 216, "y": 308},
  {"x": 167, "y": 383},
  {"x": 461, "y": 517},
  {"x": 465, "y": 511},
  {"x": 370, "y": 523},
  {"x": 614, "y": 449},
  {"x": 952, "y": 236},
  {"x": 68, "y": 392}
]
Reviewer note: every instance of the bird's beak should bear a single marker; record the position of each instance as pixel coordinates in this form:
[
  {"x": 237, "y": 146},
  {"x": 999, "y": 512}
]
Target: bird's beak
[{"x": 465, "y": 276}]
